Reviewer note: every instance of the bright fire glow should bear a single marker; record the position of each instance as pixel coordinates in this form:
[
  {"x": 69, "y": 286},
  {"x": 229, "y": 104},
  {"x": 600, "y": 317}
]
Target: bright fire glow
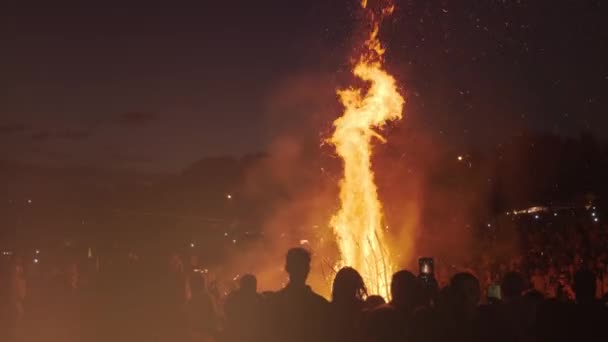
[{"x": 359, "y": 221}]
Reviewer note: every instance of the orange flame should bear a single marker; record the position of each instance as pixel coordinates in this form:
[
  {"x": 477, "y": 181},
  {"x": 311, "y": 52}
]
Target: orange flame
[{"x": 359, "y": 221}]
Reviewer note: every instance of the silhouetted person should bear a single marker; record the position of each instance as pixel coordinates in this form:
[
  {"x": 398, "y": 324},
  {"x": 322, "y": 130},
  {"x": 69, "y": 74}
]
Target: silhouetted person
[
  {"x": 243, "y": 310},
  {"x": 393, "y": 321},
  {"x": 171, "y": 316},
  {"x": 456, "y": 315},
  {"x": 588, "y": 315},
  {"x": 346, "y": 308},
  {"x": 584, "y": 287},
  {"x": 406, "y": 292},
  {"x": 372, "y": 302},
  {"x": 512, "y": 287},
  {"x": 298, "y": 314},
  {"x": 466, "y": 294},
  {"x": 512, "y": 319},
  {"x": 201, "y": 316}
]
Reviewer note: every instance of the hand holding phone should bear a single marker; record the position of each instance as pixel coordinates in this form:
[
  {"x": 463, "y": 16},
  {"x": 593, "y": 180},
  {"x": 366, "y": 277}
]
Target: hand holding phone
[{"x": 426, "y": 268}]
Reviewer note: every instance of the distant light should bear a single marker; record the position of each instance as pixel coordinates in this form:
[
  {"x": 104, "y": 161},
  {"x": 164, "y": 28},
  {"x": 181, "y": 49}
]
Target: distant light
[
  {"x": 489, "y": 225},
  {"x": 229, "y": 196},
  {"x": 460, "y": 158},
  {"x": 303, "y": 242},
  {"x": 234, "y": 241},
  {"x": 596, "y": 219},
  {"x": 593, "y": 214},
  {"x": 554, "y": 214},
  {"x": 37, "y": 251},
  {"x": 225, "y": 233},
  {"x": 536, "y": 217},
  {"x": 29, "y": 201},
  {"x": 36, "y": 261},
  {"x": 192, "y": 245}
]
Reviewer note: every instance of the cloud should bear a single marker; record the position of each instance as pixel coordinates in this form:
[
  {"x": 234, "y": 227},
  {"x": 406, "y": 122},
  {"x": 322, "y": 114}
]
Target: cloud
[
  {"x": 73, "y": 134},
  {"x": 135, "y": 118},
  {"x": 13, "y": 128},
  {"x": 42, "y": 135}
]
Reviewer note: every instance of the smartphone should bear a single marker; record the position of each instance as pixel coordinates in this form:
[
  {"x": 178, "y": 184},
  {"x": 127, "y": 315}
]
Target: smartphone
[
  {"x": 426, "y": 267},
  {"x": 494, "y": 291}
]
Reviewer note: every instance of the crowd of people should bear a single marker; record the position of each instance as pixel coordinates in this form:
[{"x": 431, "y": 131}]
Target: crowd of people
[
  {"x": 551, "y": 248},
  {"x": 133, "y": 305},
  {"x": 556, "y": 289}
]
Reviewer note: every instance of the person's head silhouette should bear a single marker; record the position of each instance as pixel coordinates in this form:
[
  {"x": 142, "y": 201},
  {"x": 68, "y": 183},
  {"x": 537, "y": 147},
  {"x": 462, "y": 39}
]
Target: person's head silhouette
[
  {"x": 348, "y": 286},
  {"x": 373, "y": 301},
  {"x": 405, "y": 290},
  {"x": 513, "y": 286},
  {"x": 248, "y": 283},
  {"x": 584, "y": 286},
  {"x": 465, "y": 290},
  {"x": 297, "y": 265}
]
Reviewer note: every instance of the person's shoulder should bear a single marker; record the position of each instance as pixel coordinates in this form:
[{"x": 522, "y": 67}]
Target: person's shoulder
[
  {"x": 272, "y": 297},
  {"x": 384, "y": 309},
  {"x": 317, "y": 298},
  {"x": 384, "y": 314}
]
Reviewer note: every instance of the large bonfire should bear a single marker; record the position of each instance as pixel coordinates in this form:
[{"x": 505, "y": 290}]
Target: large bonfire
[{"x": 358, "y": 224}]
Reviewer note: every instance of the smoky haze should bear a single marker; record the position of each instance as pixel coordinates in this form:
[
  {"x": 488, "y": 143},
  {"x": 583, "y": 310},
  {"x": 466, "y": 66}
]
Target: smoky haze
[{"x": 434, "y": 203}]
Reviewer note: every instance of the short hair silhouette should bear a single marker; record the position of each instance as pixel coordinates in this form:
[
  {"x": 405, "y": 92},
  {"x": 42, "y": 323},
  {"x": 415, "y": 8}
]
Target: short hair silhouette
[
  {"x": 405, "y": 289},
  {"x": 248, "y": 283},
  {"x": 373, "y": 301},
  {"x": 466, "y": 289},
  {"x": 348, "y": 285},
  {"x": 584, "y": 286},
  {"x": 297, "y": 265},
  {"x": 513, "y": 285}
]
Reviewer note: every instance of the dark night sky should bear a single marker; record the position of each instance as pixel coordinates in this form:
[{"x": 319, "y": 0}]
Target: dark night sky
[{"x": 156, "y": 86}]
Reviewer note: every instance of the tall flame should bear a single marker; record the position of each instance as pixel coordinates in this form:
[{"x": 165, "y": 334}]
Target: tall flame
[{"x": 358, "y": 225}]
